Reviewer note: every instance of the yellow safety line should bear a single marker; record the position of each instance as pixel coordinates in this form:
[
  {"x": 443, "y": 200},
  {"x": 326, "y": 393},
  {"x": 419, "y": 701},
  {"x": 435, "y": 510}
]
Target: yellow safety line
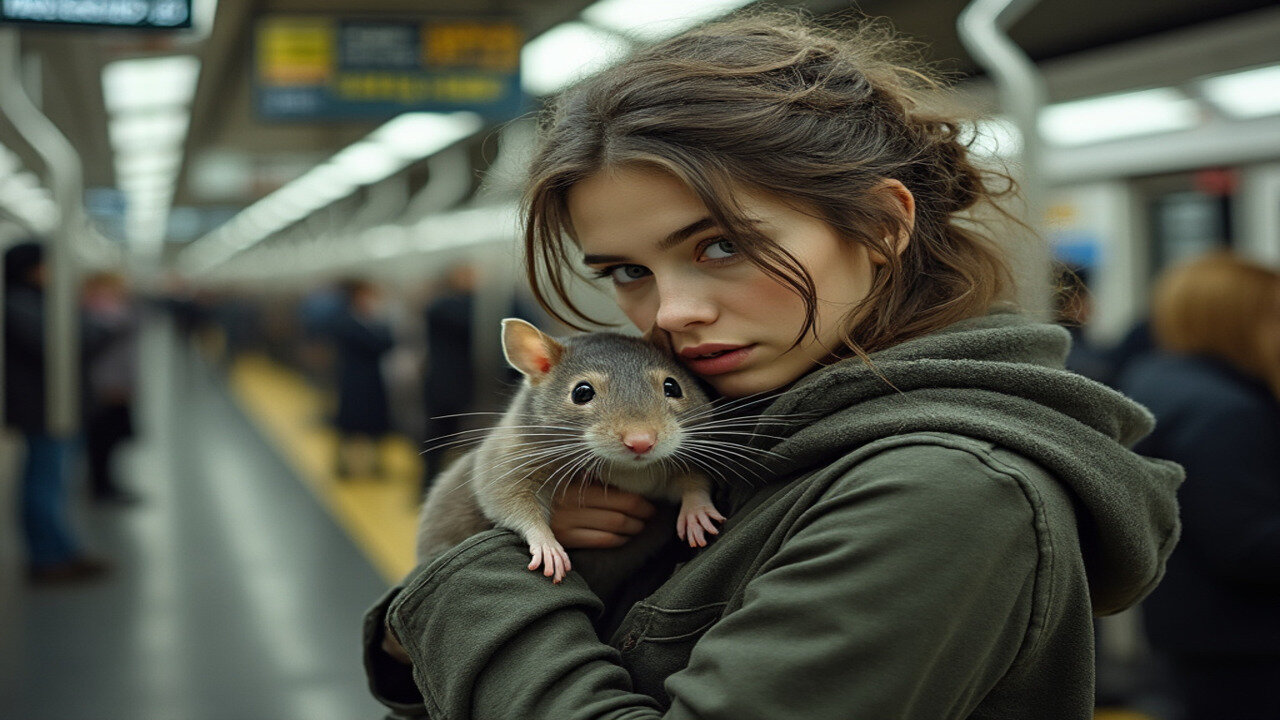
[{"x": 379, "y": 514}]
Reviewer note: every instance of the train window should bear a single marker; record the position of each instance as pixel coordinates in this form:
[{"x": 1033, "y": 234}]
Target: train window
[{"x": 1189, "y": 213}]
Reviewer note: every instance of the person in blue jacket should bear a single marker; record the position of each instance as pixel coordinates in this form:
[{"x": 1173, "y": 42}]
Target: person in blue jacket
[
  {"x": 1212, "y": 385},
  {"x": 54, "y": 552}
]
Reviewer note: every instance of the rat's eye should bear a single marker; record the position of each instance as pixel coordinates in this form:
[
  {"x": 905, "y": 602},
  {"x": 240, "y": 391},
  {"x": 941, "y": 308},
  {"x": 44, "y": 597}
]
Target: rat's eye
[
  {"x": 671, "y": 388},
  {"x": 582, "y": 393}
]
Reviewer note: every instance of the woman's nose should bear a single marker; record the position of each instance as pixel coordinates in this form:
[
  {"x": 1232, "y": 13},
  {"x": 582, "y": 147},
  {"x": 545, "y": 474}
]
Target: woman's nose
[{"x": 681, "y": 306}]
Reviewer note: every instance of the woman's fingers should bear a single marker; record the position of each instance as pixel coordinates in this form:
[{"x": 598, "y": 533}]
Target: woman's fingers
[
  {"x": 590, "y": 515},
  {"x": 579, "y": 538},
  {"x": 595, "y": 495},
  {"x": 611, "y": 521}
]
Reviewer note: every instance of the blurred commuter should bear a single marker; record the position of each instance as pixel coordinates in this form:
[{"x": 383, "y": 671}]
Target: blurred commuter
[
  {"x": 449, "y": 382},
  {"x": 361, "y": 337},
  {"x": 1212, "y": 386},
  {"x": 54, "y": 554},
  {"x": 109, "y": 378},
  {"x": 1074, "y": 310},
  {"x": 316, "y": 313}
]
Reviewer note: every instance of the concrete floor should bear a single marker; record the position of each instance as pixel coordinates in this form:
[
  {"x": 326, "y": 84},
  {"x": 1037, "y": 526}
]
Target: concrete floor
[{"x": 234, "y": 596}]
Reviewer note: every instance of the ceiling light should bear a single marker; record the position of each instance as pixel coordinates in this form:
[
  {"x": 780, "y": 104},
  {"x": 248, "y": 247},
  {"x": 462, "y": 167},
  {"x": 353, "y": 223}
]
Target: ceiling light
[
  {"x": 1248, "y": 94},
  {"x": 366, "y": 162},
  {"x": 565, "y": 53},
  {"x": 141, "y": 163},
  {"x": 145, "y": 183},
  {"x": 1112, "y": 117},
  {"x": 131, "y": 133},
  {"x": 656, "y": 19},
  {"x": 417, "y": 135},
  {"x": 150, "y": 83},
  {"x": 9, "y": 162}
]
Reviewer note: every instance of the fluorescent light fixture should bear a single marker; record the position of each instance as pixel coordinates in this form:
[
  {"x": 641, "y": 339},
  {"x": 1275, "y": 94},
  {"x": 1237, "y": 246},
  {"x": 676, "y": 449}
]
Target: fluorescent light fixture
[
  {"x": 366, "y": 162},
  {"x": 9, "y": 162},
  {"x": 140, "y": 163},
  {"x": 656, "y": 19},
  {"x": 156, "y": 194},
  {"x": 1249, "y": 94},
  {"x": 150, "y": 83},
  {"x": 19, "y": 186},
  {"x": 1111, "y": 117},
  {"x": 163, "y": 129},
  {"x": 327, "y": 183},
  {"x": 566, "y": 53},
  {"x": 417, "y": 135},
  {"x": 145, "y": 183}
]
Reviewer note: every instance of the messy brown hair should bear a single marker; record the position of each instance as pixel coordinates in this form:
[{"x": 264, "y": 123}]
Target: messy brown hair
[
  {"x": 820, "y": 118},
  {"x": 1218, "y": 305}
]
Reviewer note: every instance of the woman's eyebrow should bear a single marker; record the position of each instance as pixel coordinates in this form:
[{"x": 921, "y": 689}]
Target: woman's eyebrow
[{"x": 675, "y": 238}]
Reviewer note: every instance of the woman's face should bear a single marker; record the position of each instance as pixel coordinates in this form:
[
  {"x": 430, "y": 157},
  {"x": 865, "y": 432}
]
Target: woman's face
[{"x": 673, "y": 269}]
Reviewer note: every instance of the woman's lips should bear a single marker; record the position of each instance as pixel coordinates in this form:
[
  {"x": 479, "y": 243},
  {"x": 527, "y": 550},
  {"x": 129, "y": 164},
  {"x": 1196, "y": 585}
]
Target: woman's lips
[{"x": 701, "y": 360}]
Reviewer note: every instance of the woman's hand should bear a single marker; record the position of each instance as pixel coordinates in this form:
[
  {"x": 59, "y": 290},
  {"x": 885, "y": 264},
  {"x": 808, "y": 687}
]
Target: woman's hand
[
  {"x": 589, "y": 515},
  {"x": 392, "y": 646}
]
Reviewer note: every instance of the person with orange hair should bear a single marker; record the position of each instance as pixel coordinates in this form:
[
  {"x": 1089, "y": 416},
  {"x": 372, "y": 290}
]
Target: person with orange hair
[{"x": 1213, "y": 387}]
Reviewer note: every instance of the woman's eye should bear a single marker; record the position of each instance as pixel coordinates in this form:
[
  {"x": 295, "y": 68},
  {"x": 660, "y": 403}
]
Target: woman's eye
[
  {"x": 720, "y": 249},
  {"x": 623, "y": 274},
  {"x": 671, "y": 388},
  {"x": 582, "y": 393}
]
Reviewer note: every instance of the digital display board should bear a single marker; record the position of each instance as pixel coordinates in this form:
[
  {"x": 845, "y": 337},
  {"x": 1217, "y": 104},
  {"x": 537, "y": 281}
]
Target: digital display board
[
  {"x": 155, "y": 14},
  {"x": 325, "y": 68}
]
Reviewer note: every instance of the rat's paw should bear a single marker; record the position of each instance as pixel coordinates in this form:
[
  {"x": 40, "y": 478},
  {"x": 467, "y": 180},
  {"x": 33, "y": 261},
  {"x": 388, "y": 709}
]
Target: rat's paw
[
  {"x": 696, "y": 521},
  {"x": 551, "y": 557}
]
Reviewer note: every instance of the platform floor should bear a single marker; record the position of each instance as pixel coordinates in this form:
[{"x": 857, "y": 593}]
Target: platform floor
[{"x": 236, "y": 594}]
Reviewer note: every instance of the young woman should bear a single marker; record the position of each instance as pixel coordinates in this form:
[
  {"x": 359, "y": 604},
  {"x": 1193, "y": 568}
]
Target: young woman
[{"x": 946, "y": 507}]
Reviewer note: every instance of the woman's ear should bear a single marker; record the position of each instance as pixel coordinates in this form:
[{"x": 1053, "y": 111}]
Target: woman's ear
[{"x": 902, "y": 203}]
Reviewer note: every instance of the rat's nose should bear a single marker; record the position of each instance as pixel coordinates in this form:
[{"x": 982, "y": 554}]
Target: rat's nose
[{"x": 640, "y": 442}]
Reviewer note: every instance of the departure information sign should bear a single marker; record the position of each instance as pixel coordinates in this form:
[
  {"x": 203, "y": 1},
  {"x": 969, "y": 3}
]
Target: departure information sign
[
  {"x": 159, "y": 14},
  {"x": 324, "y": 68}
]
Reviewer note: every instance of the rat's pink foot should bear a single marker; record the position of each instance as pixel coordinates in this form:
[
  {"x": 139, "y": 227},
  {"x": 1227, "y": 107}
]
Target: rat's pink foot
[
  {"x": 551, "y": 557},
  {"x": 697, "y": 519}
]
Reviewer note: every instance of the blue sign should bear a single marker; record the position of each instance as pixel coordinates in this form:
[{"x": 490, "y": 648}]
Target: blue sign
[
  {"x": 320, "y": 68},
  {"x": 154, "y": 14}
]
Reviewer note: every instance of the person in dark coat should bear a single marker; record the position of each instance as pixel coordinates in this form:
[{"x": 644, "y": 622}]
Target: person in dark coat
[
  {"x": 54, "y": 553},
  {"x": 361, "y": 338},
  {"x": 1074, "y": 311},
  {"x": 449, "y": 381},
  {"x": 108, "y": 383},
  {"x": 1212, "y": 385}
]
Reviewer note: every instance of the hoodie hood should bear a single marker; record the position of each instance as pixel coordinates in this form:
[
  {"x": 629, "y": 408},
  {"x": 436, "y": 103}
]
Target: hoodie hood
[{"x": 1000, "y": 378}]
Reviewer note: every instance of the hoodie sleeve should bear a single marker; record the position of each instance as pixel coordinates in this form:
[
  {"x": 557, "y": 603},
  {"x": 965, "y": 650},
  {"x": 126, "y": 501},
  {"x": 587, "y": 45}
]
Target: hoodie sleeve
[{"x": 903, "y": 593}]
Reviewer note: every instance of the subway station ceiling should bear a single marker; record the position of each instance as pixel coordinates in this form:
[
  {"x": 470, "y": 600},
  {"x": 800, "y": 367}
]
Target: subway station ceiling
[{"x": 224, "y": 127}]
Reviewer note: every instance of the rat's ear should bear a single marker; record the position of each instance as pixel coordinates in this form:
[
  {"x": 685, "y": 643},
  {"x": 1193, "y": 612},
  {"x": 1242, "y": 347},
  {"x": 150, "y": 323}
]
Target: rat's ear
[
  {"x": 529, "y": 350},
  {"x": 660, "y": 339}
]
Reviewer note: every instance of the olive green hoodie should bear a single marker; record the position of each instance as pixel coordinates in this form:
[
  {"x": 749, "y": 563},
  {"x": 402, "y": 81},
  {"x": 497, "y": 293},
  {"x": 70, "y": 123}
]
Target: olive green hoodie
[{"x": 929, "y": 547}]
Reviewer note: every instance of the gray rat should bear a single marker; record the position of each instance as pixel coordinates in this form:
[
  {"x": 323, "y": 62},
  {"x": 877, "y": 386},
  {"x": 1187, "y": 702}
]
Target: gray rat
[{"x": 603, "y": 405}]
